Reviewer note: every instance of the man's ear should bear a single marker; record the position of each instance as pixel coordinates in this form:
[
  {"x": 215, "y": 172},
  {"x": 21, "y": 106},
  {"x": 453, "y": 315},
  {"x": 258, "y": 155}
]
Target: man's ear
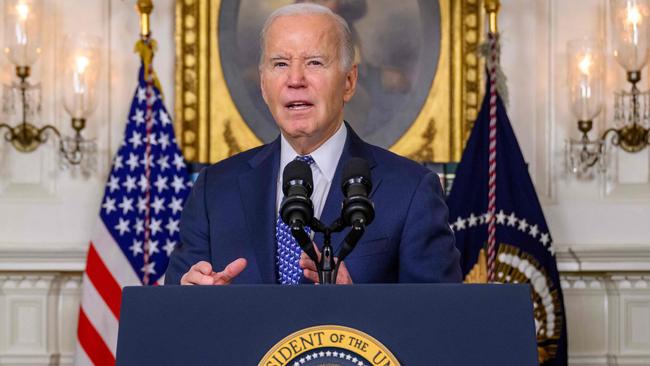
[{"x": 350, "y": 83}]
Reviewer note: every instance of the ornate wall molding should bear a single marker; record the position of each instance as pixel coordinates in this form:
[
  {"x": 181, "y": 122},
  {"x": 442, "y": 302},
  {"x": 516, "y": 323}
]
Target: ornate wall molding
[
  {"x": 471, "y": 73},
  {"x": 603, "y": 258},
  {"x": 42, "y": 257},
  {"x": 576, "y": 282},
  {"x": 632, "y": 282}
]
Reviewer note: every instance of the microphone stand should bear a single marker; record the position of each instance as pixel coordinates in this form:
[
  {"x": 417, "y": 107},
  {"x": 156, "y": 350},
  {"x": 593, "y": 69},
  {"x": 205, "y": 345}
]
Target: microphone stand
[
  {"x": 349, "y": 243},
  {"x": 327, "y": 267},
  {"x": 304, "y": 241}
]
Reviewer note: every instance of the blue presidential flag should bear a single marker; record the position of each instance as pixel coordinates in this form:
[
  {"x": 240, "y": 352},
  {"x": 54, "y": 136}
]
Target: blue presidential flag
[{"x": 492, "y": 187}]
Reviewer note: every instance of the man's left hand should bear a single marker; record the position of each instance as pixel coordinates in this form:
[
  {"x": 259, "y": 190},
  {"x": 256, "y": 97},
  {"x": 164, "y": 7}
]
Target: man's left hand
[{"x": 310, "y": 271}]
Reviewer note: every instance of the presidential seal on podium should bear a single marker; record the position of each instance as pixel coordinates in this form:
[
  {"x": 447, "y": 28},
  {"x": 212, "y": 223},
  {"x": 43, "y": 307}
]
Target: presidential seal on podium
[{"x": 329, "y": 345}]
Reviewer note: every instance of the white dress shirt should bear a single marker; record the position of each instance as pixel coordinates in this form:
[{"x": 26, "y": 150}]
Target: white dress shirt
[{"x": 326, "y": 158}]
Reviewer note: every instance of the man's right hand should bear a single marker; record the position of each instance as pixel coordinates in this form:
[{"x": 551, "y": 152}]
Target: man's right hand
[{"x": 201, "y": 273}]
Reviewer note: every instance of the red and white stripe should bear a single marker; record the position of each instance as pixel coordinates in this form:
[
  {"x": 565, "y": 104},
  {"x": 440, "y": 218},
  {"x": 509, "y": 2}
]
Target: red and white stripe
[
  {"x": 107, "y": 272},
  {"x": 493, "y": 61}
]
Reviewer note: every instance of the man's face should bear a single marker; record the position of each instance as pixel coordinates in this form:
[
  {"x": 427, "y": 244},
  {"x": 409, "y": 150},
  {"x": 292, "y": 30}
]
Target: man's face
[{"x": 302, "y": 80}]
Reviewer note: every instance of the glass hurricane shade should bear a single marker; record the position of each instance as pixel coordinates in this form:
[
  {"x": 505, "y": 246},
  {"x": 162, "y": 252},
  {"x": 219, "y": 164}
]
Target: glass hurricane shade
[
  {"x": 81, "y": 66},
  {"x": 631, "y": 24},
  {"x": 586, "y": 62},
  {"x": 22, "y": 30}
]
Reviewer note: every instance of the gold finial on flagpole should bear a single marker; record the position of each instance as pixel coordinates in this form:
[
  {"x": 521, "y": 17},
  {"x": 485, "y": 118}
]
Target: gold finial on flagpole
[
  {"x": 144, "y": 8},
  {"x": 492, "y": 8},
  {"x": 146, "y": 46}
]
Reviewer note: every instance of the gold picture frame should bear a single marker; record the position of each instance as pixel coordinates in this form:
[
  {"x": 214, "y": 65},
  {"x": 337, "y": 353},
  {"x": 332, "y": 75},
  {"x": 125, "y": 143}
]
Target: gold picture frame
[{"x": 210, "y": 127}]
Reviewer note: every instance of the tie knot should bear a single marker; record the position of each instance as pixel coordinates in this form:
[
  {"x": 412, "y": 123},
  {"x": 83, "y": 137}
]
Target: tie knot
[{"x": 305, "y": 159}]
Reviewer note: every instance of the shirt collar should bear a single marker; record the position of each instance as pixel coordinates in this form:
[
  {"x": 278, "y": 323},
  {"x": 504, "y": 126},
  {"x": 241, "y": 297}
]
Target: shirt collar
[{"x": 326, "y": 156}]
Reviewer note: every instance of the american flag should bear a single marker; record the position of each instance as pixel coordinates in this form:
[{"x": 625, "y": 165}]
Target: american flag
[{"x": 138, "y": 224}]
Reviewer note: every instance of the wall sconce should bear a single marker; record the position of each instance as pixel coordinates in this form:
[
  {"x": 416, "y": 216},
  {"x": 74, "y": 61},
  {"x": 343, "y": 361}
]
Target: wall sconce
[
  {"x": 79, "y": 76},
  {"x": 586, "y": 61},
  {"x": 630, "y": 131}
]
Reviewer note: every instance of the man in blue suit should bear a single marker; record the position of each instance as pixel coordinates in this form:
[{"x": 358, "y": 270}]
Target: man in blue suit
[{"x": 230, "y": 228}]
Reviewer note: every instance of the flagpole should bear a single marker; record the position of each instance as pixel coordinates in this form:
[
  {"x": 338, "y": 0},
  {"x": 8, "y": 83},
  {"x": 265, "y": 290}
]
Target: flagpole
[
  {"x": 146, "y": 47},
  {"x": 492, "y": 8},
  {"x": 144, "y": 8}
]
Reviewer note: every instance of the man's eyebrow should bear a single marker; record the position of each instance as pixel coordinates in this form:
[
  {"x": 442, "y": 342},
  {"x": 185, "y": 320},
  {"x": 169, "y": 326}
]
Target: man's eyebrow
[
  {"x": 322, "y": 58},
  {"x": 308, "y": 57},
  {"x": 278, "y": 58}
]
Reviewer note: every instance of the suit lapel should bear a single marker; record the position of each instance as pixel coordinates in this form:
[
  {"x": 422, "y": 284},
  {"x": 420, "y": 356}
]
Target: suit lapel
[
  {"x": 258, "y": 195},
  {"x": 354, "y": 147}
]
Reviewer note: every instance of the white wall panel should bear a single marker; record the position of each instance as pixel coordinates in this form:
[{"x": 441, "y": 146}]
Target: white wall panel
[
  {"x": 637, "y": 323},
  {"x": 586, "y": 308},
  {"x": 67, "y": 310}
]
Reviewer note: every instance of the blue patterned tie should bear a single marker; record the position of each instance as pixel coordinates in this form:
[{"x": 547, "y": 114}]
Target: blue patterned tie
[{"x": 288, "y": 254}]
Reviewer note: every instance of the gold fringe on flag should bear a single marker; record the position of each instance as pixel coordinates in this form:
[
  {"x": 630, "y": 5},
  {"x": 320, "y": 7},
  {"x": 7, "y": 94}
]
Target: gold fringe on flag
[{"x": 479, "y": 273}]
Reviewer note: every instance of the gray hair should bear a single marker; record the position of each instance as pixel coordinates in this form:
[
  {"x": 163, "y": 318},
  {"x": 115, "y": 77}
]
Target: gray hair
[{"x": 346, "y": 51}]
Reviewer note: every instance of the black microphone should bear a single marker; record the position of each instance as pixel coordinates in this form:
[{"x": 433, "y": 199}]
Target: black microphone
[
  {"x": 358, "y": 210},
  {"x": 296, "y": 207}
]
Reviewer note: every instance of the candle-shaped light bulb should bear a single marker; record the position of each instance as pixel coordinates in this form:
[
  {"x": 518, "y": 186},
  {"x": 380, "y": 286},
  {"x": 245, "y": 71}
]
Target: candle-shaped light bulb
[
  {"x": 81, "y": 64},
  {"x": 630, "y": 33},
  {"x": 633, "y": 20},
  {"x": 634, "y": 16},
  {"x": 22, "y": 28},
  {"x": 585, "y": 64},
  {"x": 585, "y": 78},
  {"x": 80, "y": 73},
  {"x": 22, "y": 10}
]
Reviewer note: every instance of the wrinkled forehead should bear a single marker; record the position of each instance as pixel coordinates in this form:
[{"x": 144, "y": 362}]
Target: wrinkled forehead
[{"x": 306, "y": 32}]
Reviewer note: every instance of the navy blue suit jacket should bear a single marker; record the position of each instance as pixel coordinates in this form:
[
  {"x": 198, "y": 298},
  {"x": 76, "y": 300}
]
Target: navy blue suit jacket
[{"x": 231, "y": 213}]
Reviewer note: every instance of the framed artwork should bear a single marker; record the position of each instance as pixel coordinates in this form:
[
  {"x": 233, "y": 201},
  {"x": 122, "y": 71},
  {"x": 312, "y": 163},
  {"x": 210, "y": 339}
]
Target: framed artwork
[{"x": 419, "y": 87}]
